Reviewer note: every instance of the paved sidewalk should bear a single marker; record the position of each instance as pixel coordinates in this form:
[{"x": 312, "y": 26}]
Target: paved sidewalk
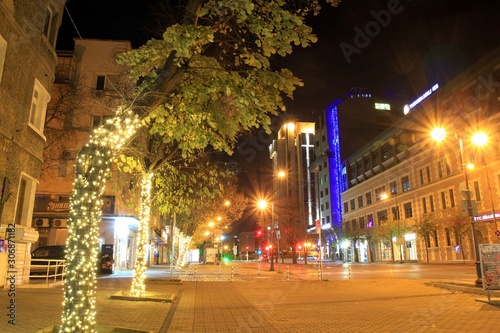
[{"x": 212, "y": 299}]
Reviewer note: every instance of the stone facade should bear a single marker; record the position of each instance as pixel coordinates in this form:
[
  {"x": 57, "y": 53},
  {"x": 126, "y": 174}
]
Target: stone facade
[{"x": 28, "y": 32}]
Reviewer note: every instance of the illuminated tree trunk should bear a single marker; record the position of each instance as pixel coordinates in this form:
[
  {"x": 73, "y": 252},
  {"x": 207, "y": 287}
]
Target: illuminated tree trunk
[
  {"x": 92, "y": 169},
  {"x": 139, "y": 279}
]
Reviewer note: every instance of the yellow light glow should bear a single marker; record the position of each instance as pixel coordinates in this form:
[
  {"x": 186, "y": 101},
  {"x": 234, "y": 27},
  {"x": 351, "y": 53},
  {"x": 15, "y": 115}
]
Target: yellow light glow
[
  {"x": 438, "y": 134},
  {"x": 262, "y": 204},
  {"x": 480, "y": 139},
  {"x": 281, "y": 174}
]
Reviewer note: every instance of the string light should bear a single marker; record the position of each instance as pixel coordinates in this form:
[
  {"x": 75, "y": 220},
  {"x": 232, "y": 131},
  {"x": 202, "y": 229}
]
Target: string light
[
  {"x": 139, "y": 278},
  {"x": 92, "y": 170}
]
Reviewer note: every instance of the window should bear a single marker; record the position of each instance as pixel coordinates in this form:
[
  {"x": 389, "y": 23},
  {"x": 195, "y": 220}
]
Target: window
[
  {"x": 107, "y": 82},
  {"x": 99, "y": 120},
  {"x": 362, "y": 222},
  {"x": 424, "y": 205},
  {"x": 382, "y": 216},
  {"x": 443, "y": 199},
  {"x": 452, "y": 198},
  {"x": 327, "y": 205},
  {"x": 428, "y": 170},
  {"x": 322, "y": 207},
  {"x": 395, "y": 213},
  {"x": 353, "y": 224},
  {"x": 369, "y": 223},
  {"x": 50, "y": 26},
  {"x": 326, "y": 190},
  {"x": 431, "y": 203},
  {"x": 422, "y": 179},
  {"x": 346, "y": 207},
  {"x": 394, "y": 187},
  {"x": 360, "y": 201},
  {"x": 100, "y": 81},
  {"x": 3, "y": 50},
  {"x": 443, "y": 168},
  {"x": 435, "y": 238},
  {"x": 327, "y": 219},
  {"x": 353, "y": 204},
  {"x": 368, "y": 197},
  {"x": 448, "y": 236},
  {"x": 39, "y": 101},
  {"x": 476, "y": 191},
  {"x": 408, "y": 210},
  {"x": 25, "y": 200},
  {"x": 405, "y": 183},
  {"x": 321, "y": 194}
]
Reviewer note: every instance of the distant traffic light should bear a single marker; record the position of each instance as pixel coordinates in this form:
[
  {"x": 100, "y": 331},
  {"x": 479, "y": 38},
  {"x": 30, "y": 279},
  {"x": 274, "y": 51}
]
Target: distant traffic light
[{"x": 259, "y": 233}]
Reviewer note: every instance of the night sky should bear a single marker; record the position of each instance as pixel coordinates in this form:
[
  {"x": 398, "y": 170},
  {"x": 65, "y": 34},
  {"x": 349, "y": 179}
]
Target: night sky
[{"x": 425, "y": 42}]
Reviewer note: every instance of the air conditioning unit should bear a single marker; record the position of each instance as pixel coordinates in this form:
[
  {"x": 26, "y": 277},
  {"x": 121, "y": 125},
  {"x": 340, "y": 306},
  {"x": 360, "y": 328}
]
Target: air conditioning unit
[
  {"x": 61, "y": 223},
  {"x": 41, "y": 222}
]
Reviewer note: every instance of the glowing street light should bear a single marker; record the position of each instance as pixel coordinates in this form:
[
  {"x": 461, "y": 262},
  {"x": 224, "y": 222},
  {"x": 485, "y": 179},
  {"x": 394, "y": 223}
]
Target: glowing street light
[{"x": 479, "y": 139}]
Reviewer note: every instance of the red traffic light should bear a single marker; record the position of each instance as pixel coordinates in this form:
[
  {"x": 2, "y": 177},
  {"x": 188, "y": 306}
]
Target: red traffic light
[{"x": 259, "y": 233}]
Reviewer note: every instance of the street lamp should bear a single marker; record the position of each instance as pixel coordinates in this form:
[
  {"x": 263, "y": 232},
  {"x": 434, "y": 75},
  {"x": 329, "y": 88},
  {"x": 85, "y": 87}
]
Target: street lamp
[
  {"x": 438, "y": 134},
  {"x": 262, "y": 205}
]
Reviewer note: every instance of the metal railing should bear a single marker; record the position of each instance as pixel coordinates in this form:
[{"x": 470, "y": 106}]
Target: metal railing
[{"x": 52, "y": 270}]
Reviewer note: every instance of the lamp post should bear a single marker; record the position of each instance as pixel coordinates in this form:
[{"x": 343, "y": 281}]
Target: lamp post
[
  {"x": 438, "y": 135},
  {"x": 262, "y": 205}
]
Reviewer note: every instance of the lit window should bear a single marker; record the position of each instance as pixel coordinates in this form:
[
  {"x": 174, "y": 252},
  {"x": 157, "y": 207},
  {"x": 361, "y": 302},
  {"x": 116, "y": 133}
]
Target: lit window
[
  {"x": 39, "y": 101},
  {"x": 382, "y": 106}
]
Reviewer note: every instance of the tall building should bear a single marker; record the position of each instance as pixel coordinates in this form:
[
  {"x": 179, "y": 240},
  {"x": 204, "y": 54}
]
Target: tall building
[
  {"x": 292, "y": 153},
  {"x": 345, "y": 126},
  {"x": 410, "y": 197},
  {"x": 28, "y": 33}
]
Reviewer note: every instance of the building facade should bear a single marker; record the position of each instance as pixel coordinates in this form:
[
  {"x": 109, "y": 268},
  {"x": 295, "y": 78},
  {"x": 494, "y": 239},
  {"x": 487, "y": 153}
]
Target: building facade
[
  {"x": 410, "y": 197},
  {"x": 28, "y": 33},
  {"x": 345, "y": 126},
  {"x": 89, "y": 86},
  {"x": 293, "y": 194}
]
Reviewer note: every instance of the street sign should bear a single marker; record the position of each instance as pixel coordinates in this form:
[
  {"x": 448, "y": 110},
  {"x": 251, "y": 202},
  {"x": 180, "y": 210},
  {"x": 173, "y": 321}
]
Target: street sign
[{"x": 278, "y": 234}]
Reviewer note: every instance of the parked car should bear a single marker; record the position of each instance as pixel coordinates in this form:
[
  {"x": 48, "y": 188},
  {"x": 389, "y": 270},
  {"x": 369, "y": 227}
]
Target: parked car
[{"x": 50, "y": 252}]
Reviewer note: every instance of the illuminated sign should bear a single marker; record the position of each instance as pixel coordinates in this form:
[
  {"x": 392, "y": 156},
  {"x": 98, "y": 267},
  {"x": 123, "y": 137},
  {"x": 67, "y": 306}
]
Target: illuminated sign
[
  {"x": 486, "y": 217},
  {"x": 382, "y": 106},
  {"x": 408, "y": 107}
]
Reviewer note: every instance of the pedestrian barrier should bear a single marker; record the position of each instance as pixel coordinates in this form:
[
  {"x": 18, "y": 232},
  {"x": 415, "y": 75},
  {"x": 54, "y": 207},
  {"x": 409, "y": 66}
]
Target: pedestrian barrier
[{"x": 52, "y": 270}]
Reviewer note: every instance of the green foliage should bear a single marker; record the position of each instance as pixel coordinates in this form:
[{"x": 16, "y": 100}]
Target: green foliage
[
  {"x": 228, "y": 86},
  {"x": 181, "y": 187}
]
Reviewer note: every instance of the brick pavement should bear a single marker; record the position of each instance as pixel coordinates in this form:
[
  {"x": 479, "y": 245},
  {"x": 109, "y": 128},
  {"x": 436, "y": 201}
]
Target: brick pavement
[{"x": 210, "y": 302}]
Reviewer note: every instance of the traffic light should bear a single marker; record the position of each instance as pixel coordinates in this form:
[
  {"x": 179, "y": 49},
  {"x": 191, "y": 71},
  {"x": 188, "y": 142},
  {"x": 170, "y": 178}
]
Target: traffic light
[{"x": 259, "y": 233}]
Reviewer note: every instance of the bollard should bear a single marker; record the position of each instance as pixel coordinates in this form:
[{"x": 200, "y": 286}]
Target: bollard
[
  {"x": 236, "y": 269},
  {"x": 350, "y": 273},
  {"x": 219, "y": 268},
  {"x": 258, "y": 268},
  {"x": 190, "y": 269},
  {"x": 195, "y": 271},
  {"x": 232, "y": 273},
  {"x": 288, "y": 273},
  {"x": 319, "y": 272}
]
